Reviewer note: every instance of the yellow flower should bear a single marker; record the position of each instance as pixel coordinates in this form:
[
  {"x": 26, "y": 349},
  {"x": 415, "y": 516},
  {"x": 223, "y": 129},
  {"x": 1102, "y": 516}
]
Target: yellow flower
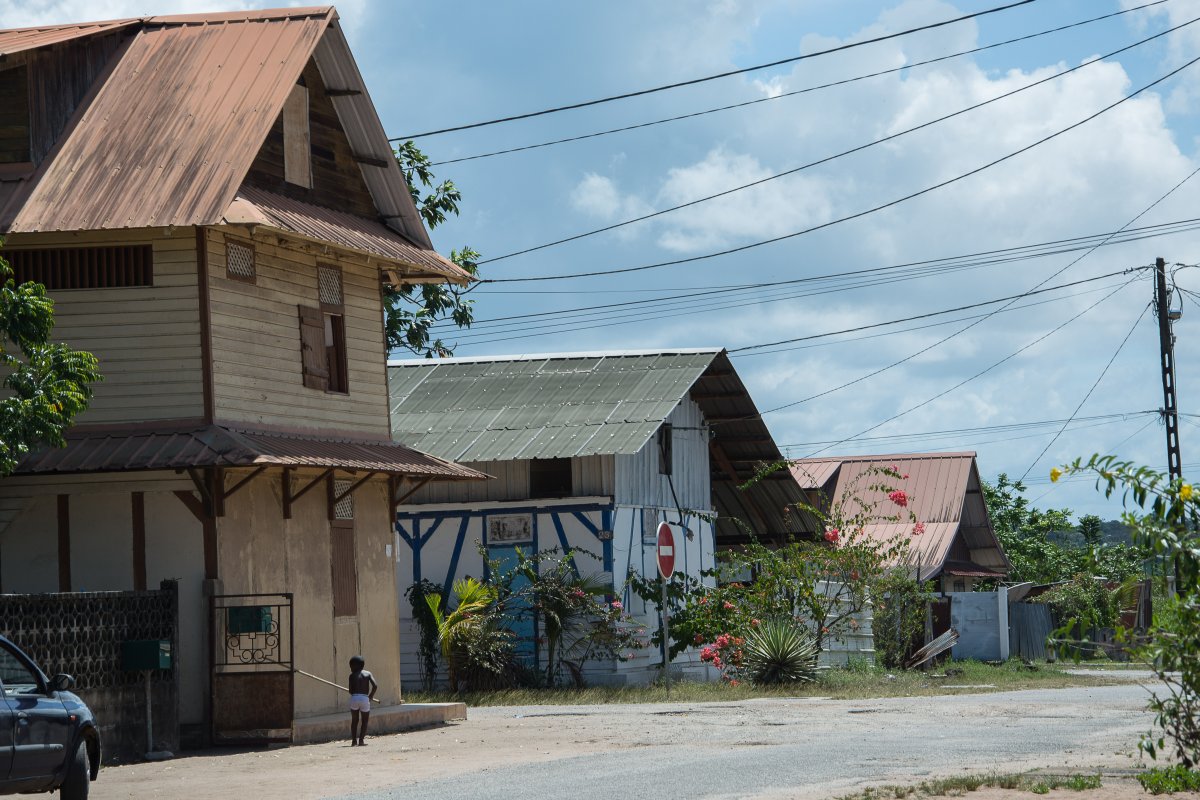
[
  {"x": 1055, "y": 474},
  {"x": 1185, "y": 492}
]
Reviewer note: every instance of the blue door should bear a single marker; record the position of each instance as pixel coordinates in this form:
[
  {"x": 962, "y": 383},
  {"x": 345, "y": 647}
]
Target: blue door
[{"x": 520, "y": 616}]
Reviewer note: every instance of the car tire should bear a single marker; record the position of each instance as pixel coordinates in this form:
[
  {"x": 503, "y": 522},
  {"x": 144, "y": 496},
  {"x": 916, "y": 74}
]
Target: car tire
[{"x": 77, "y": 782}]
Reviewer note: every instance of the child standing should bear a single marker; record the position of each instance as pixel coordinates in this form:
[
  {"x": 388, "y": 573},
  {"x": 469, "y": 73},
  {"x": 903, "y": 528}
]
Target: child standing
[{"x": 362, "y": 688}]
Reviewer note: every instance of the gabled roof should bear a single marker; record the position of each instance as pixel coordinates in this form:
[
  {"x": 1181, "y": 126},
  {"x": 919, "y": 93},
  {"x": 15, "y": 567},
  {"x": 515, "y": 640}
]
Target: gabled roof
[
  {"x": 170, "y": 129},
  {"x": 944, "y": 494},
  {"x": 607, "y": 403}
]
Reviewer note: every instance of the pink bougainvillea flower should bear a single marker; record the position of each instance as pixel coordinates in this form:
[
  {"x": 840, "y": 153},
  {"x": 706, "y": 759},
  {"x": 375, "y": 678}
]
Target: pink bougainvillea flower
[
  {"x": 733, "y": 682},
  {"x": 904, "y": 476},
  {"x": 832, "y": 534},
  {"x": 703, "y": 601},
  {"x": 754, "y": 623},
  {"x": 699, "y": 639},
  {"x": 728, "y": 606},
  {"x": 899, "y": 497},
  {"x": 617, "y": 605},
  {"x": 824, "y": 629},
  {"x": 918, "y": 528}
]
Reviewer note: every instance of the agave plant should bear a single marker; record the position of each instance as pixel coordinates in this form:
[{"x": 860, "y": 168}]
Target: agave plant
[{"x": 780, "y": 651}]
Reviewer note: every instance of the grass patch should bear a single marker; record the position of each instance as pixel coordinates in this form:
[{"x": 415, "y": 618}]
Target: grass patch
[
  {"x": 1168, "y": 780},
  {"x": 861, "y": 681},
  {"x": 964, "y": 784}
]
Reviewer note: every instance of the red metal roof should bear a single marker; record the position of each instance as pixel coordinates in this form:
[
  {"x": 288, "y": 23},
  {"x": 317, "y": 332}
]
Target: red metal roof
[
  {"x": 937, "y": 487},
  {"x": 16, "y": 40},
  {"x": 219, "y": 446},
  {"x": 256, "y": 206},
  {"x": 170, "y": 131}
]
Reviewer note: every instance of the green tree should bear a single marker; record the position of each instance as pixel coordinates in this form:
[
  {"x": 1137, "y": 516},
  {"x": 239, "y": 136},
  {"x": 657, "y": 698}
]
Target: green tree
[
  {"x": 1024, "y": 533},
  {"x": 47, "y": 384},
  {"x": 1091, "y": 529},
  {"x": 412, "y": 310}
]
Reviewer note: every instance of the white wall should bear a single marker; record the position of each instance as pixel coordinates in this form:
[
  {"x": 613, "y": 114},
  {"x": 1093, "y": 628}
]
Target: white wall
[{"x": 639, "y": 482}]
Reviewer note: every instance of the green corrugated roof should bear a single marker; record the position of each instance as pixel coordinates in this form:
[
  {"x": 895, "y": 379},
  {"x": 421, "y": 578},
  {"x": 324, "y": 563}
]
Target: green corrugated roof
[{"x": 550, "y": 406}]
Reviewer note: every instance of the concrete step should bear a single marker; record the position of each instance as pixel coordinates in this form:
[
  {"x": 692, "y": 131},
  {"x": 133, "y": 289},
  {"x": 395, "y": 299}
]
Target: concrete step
[{"x": 384, "y": 719}]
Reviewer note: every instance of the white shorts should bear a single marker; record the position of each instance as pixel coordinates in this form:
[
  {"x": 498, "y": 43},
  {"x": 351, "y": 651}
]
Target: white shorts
[{"x": 360, "y": 702}]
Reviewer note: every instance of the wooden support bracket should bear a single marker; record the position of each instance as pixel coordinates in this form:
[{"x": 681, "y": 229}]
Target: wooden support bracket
[
  {"x": 290, "y": 497},
  {"x": 227, "y": 493},
  {"x": 352, "y": 487},
  {"x": 397, "y": 500},
  {"x": 371, "y": 161}
]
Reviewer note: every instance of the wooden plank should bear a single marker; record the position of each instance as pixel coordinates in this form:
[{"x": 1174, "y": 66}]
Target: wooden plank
[
  {"x": 297, "y": 142},
  {"x": 64, "y": 543},
  {"x": 139, "y": 541}
]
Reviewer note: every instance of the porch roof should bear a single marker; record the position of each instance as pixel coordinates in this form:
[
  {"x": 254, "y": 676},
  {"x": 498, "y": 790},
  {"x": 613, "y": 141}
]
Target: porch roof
[{"x": 201, "y": 445}]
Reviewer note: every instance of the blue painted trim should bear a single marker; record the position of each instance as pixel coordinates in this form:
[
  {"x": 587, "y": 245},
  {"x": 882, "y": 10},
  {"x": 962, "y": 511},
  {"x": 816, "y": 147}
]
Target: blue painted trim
[
  {"x": 462, "y": 536},
  {"x": 587, "y": 523},
  {"x": 416, "y": 551},
  {"x": 506, "y": 510},
  {"x": 562, "y": 540},
  {"x": 405, "y": 535}
]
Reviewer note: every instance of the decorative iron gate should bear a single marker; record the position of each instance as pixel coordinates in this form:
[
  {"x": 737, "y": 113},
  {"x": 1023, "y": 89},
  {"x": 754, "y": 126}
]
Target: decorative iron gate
[{"x": 253, "y": 665}]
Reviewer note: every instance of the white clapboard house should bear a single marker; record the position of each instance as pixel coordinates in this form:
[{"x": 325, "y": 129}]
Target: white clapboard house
[{"x": 590, "y": 451}]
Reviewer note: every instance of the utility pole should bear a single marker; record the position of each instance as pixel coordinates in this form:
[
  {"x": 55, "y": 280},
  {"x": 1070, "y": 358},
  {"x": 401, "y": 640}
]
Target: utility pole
[{"x": 1166, "y": 346}]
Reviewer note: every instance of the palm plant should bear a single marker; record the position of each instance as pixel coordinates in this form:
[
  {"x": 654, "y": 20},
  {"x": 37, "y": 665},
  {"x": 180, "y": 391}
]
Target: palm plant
[
  {"x": 468, "y": 619},
  {"x": 780, "y": 651}
]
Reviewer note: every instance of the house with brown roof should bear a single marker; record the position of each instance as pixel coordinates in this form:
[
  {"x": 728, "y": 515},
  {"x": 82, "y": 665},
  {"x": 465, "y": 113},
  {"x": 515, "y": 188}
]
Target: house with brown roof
[
  {"x": 214, "y": 207},
  {"x": 958, "y": 546}
]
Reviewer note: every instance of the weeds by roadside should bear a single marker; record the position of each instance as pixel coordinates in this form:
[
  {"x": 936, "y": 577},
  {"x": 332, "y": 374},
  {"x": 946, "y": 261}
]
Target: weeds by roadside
[
  {"x": 861, "y": 681},
  {"x": 1169, "y": 780},
  {"x": 963, "y": 784}
]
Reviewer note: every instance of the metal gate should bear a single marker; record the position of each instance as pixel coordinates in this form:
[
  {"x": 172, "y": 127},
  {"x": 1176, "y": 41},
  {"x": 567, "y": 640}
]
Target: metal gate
[{"x": 253, "y": 665}]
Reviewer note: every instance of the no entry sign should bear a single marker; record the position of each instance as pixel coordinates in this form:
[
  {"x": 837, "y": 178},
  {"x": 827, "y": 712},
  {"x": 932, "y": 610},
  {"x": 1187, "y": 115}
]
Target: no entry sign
[{"x": 666, "y": 550}]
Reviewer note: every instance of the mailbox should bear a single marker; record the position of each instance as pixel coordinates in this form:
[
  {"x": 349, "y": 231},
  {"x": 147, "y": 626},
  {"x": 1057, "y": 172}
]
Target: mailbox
[
  {"x": 146, "y": 654},
  {"x": 249, "y": 619}
]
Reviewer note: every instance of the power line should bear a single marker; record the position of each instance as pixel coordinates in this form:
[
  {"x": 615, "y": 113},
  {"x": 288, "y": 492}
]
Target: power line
[
  {"x": 728, "y": 74},
  {"x": 806, "y": 90},
  {"x": 1061, "y": 246},
  {"x": 859, "y": 214},
  {"x": 842, "y": 154},
  {"x": 1103, "y": 372}
]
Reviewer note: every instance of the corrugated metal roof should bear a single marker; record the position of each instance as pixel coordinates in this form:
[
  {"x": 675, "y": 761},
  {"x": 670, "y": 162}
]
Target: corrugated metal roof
[
  {"x": 538, "y": 406},
  {"x": 15, "y": 40},
  {"x": 936, "y": 485},
  {"x": 217, "y": 446},
  {"x": 172, "y": 130},
  {"x": 254, "y": 206}
]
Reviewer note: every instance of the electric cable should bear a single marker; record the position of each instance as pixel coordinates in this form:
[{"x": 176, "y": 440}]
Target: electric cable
[
  {"x": 865, "y": 212},
  {"x": 1103, "y": 372},
  {"x": 805, "y": 90},
  {"x": 842, "y": 154},
  {"x": 727, "y": 74}
]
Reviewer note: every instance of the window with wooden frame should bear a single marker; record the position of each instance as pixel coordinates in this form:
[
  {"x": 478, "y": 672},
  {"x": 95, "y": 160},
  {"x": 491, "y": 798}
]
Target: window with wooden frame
[
  {"x": 59, "y": 268},
  {"x": 550, "y": 477},
  {"x": 323, "y": 335},
  {"x": 297, "y": 138},
  {"x": 239, "y": 261},
  {"x": 15, "y": 136},
  {"x": 343, "y": 565}
]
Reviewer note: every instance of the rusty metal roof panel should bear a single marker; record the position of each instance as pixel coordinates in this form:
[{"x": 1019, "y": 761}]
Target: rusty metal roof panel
[
  {"x": 216, "y": 446},
  {"x": 171, "y": 132},
  {"x": 256, "y": 206},
  {"x": 16, "y": 40},
  {"x": 814, "y": 473}
]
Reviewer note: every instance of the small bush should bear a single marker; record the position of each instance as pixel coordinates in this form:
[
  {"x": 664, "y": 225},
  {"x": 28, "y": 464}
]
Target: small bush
[
  {"x": 780, "y": 651},
  {"x": 1169, "y": 780}
]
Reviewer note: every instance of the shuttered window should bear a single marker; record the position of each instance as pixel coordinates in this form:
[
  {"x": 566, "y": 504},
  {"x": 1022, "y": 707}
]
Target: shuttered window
[
  {"x": 345, "y": 576},
  {"x": 312, "y": 348},
  {"x": 297, "y": 139},
  {"x": 84, "y": 267}
]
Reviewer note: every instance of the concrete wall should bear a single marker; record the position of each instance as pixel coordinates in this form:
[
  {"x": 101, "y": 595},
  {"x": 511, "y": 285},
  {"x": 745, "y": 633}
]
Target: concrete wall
[
  {"x": 981, "y": 619},
  {"x": 260, "y": 552}
]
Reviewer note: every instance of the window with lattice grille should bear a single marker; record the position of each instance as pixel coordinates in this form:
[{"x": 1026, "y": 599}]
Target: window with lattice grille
[
  {"x": 344, "y": 508},
  {"x": 60, "y": 268},
  {"x": 239, "y": 262},
  {"x": 329, "y": 285}
]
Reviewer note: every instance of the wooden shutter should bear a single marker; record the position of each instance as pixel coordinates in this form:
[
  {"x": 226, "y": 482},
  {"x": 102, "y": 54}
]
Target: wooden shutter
[
  {"x": 312, "y": 348},
  {"x": 345, "y": 578}
]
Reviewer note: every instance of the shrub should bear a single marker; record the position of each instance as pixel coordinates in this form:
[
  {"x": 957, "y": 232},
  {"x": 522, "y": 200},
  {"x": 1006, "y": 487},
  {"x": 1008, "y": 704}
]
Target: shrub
[{"x": 780, "y": 651}]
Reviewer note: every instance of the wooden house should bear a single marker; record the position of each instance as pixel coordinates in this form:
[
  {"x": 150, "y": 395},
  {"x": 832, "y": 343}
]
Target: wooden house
[
  {"x": 591, "y": 452},
  {"x": 215, "y": 209}
]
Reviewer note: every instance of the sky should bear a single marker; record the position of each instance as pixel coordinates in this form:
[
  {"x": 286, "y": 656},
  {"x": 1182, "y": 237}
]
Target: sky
[{"x": 979, "y": 182}]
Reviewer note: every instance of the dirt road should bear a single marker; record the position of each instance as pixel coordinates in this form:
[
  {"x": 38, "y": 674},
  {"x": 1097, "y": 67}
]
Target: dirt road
[{"x": 803, "y": 748}]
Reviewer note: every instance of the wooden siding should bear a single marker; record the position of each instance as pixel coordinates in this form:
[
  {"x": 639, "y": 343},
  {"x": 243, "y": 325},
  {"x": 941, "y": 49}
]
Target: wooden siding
[
  {"x": 257, "y": 366},
  {"x": 639, "y": 482},
  {"x": 591, "y": 476},
  {"x": 336, "y": 176},
  {"x": 147, "y": 338}
]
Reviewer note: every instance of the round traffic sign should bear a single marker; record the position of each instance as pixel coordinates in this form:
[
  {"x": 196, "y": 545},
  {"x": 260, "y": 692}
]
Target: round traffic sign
[{"x": 666, "y": 550}]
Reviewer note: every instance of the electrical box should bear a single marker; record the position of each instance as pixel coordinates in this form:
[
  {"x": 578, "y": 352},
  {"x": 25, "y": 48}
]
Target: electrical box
[
  {"x": 249, "y": 619},
  {"x": 146, "y": 654}
]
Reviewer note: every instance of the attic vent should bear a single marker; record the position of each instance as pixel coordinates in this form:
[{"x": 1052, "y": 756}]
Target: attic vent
[
  {"x": 84, "y": 267},
  {"x": 345, "y": 508},
  {"x": 239, "y": 261},
  {"x": 329, "y": 287}
]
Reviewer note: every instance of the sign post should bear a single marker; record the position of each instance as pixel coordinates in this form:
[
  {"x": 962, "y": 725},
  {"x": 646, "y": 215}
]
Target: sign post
[{"x": 665, "y": 556}]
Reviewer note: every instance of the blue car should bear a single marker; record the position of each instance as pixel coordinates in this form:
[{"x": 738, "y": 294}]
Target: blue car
[{"x": 48, "y": 737}]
